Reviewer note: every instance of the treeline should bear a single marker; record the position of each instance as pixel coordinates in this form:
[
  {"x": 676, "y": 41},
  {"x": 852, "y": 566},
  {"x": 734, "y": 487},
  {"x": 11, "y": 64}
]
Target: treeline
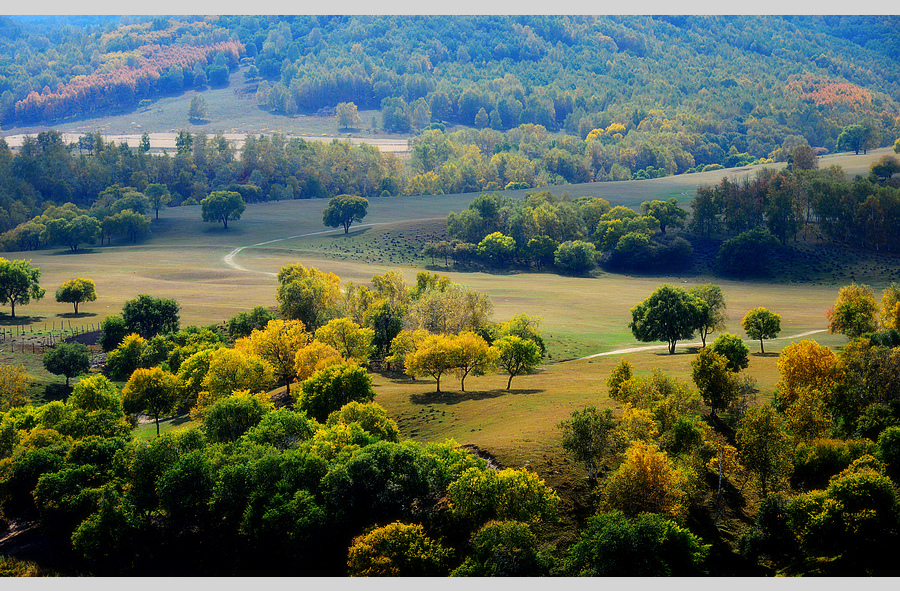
[{"x": 54, "y": 70}]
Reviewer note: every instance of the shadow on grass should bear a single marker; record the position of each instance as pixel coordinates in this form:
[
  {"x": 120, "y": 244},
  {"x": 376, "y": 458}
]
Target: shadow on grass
[
  {"x": 7, "y": 320},
  {"x": 457, "y": 397},
  {"x": 56, "y": 392},
  {"x": 74, "y": 315},
  {"x": 764, "y": 354}
]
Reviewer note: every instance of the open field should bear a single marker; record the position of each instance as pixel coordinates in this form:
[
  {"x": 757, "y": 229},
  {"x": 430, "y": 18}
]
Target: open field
[{"x": 581, "y": 316}]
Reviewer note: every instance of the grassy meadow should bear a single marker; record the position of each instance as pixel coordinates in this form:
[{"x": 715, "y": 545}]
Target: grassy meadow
[{"x": 582, "y": 316}]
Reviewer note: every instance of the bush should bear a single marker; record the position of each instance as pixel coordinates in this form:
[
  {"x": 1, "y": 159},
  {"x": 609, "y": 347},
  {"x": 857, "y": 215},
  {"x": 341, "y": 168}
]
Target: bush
[
  {"x": 329, "y": 389},
  {"x": 575, "y": 256},
  {"x": 113, "y": 331},
  {"x": 748, "y": 253},
  {"x": 815, "y": 463},
  {"x": 227, "y": 419}
]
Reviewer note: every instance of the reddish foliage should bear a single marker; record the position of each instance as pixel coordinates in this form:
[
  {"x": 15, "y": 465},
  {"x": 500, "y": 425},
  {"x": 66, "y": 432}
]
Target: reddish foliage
[{"x": 822, "y": 91}]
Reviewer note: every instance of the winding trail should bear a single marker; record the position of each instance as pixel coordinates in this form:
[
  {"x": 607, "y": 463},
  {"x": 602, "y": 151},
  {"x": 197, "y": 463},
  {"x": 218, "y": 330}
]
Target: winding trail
[
  {"x": 691, "y": 343},
  {"x": 228, "y": 259}
]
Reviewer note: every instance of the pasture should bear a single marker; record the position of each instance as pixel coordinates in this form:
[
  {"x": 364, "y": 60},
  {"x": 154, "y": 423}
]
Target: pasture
[{"x": 185, "y": 259}]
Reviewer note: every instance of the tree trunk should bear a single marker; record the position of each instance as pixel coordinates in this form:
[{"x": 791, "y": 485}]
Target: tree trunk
[
  {"x": 509, "y": 383},
  {"x": 438, "y": 385},
  {"x": 157, "y": 424},
  {"x": 761, "y": 349}
]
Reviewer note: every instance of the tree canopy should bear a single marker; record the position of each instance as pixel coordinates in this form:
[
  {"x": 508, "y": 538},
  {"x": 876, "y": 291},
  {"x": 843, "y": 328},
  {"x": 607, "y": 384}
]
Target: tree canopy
[
  {"x": 670, "y": 314},
  {"x": 343, "y": 210},
  {"x": 76, "y": 291},
  {"x": 19, "y": 284},
  {"x": 221, "y": 206}
]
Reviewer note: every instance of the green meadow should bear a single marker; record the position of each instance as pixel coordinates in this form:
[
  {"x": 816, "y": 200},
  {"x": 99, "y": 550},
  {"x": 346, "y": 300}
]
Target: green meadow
[{"x": 188, "y": 260}]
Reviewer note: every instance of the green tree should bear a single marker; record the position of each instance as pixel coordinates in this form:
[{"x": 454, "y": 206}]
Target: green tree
[
  {"x": 517, "y": 356},
  {"x": 149, "y": 316},
  {"x": 221, "y": 206},
  {"x": 153, "y": 390},
  {"x": 574, "y": 256},
  {"x": 764, "y": 448},
  {"x": 714, "y": 379},
  {"x": 329, "y": 389},
  {"x": 647, "y": 546},
  {"x": 76, "y": 291},
  {"x": 668, "y": 213},
  {"x": 229, "y": 418},
  {"x": 68, "y": 359},
  {"x": 481, "y": 495},
  {"x": 309, "y": 295},
  {"x": 715, "y": 316},
  {"x": 670, "y": 314},
  {"x": 497, "y": 247},
  {"x": 586, "y": 436},
  {"x": 733, "y": 349},
  {"x": 19, "y": 284},
  {"x": 504, "y": 549},
  {"x": 244, "y": 323},
  {"x": 198, "y": 111},
  {"x": 343, "y": 210},
  {"x": 348, "y": 338},
  {"x": 856, "y": 137},
  {"x": 112, "y": 331},
  {"x": 347, "y": 116},
  {"x": 159, "y": 196},
  {"x": 760, "y": 324},
  {"x": 72, "y": 233},
  {"x": 855, "y": 312}
]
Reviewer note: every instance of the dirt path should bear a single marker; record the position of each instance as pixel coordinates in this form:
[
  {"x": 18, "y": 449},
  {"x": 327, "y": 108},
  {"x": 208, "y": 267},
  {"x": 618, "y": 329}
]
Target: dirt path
[{"x": 691, "y": 344}]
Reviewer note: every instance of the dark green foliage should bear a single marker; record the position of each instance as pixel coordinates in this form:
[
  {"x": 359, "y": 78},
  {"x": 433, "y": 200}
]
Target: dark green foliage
[
  {"x": 748, "y": 253},
  {"x": 241, "y": 325},
  {"x": 816, "y": 462},
  {"x": 684, "y": 436},
  {"x": 504, "y": 549},
  {"x": 65, "y": 498},
  {"x": 586, "y": 437},
  {"x": 875, "y": 419},
  {"x": 185, "y": 488},
  {"x": 733, "y": 349},
  {"x": 110, "y": 537},
  {"x": 771, "y": 534},
  {"x": 229, "y": 418},
  {"x": 574, "y": 257},
  {"x": 670, "y": 314},
  {"x": 149, "y": 316},
  {"x": 329, "y": 389},
  {"x": 282, "y": 429},
  {"x": 889, "y": 450},
  {"x": 113, "y": 331},
  {"x": 648, "y": 546},
  {"x": 68, "y": 359},
  {"x": 21, "y": 478}
]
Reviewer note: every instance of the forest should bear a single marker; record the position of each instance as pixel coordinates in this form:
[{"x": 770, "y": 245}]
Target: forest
[{"x": 270, "y": 444}]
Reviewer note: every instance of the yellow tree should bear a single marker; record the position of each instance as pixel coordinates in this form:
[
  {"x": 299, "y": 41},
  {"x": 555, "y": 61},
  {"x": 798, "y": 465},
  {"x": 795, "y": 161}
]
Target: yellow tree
[
  {"x": 313, "y": 357},
  {"x": 890, "y": 306},
  {"x": 349, "y": 339},
  {"x": 433, "y": 356},
  {"x": 14, "y": 382},
  {"x": 397, "y": 550},
  {"x": 646, "y": 482},
  {"x": 278, "y": 344},
  {"x": 473, "y": 355},
  {"x": 808, "y": 417},
  {"x": 231, "y": 370},
  {"x": 309, "y": 295},
  {"x": 854, "y": 312},
  {"x": 805, "y": 364},
  {"x": 403, "y": 344},
  {"x": 153, "y": 390}
]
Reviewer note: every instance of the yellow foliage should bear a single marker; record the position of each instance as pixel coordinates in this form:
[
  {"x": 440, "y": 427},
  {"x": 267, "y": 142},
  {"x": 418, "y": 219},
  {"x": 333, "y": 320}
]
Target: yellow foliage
[
  {"x": 278, "y": 344},
  {"x": 646, "y": 482},
  {"x": 638, "y": 424},
  {"x": 14, "y": 382},
  {"x": 313, "y": 357},
  {"x": 808, "y": 417},
  {"x": 805, "y": 364}
]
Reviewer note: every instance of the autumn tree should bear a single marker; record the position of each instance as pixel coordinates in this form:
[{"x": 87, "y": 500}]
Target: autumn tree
[
  {"x": 586, "y": 436},
  {"x": 890, "y": 306},
  {"x": 309, "y": 295},
  {"x": 760, "y": 324},
  {"x": 517, "y": 356},
  {"x": 347, "y": 115},
  {"x": 221, "y": 206},
  {"x": 76, "y": 291},
  {"x": 715, "y": 317},
  {"x": 349, "y": 339},
  {"x": 764, "y": 447},
  {"x": 329, "y": 389},
  {"x": 805, "y": 364},
  {"x": 343, "y": 210},
  {"x": 480, "y": 495},
  {"x": 854, "y": 312},
  {"x": 153, "y": 390},
  {"x": 19, "y": 284},
  {"x": 278, "y": 343},
  {"x": 646, "y": 482},
  {"x": 473, "y": 355},
  {"x": 234, "y": 369},
  {"x": 397, "y": 550},
  {"x": 433, "y": 356},
  {"x": 670, "y": 314},
  {"x": 14, "y": 380},
  {"x": 313, "y": 357}
]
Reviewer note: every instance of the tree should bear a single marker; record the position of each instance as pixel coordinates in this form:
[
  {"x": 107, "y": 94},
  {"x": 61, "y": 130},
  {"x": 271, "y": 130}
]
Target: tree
[
  {"x": 329, "y": 389},
  {"x": 159, "y": 196},
  {"x": 715, "y": 316},
  {"x": 343, "y": 210},
  {"x": 733, "y": 349},
  {"x": 397, "y": 550},
  {"x": 517, "y": 356},
  {"x": 481, "y": 495},
  {"x": 747, "y": 253},
  {"x": 347, "y": 116},
  {"x": 231, "y": 370},
  {"x": 244, "y": 323},
  {"x": 854, "y": 312},
  {"x": 14, "y": 382},
  {"x": 126, "y": 357},
  {"x": 612, "y": 545},
  {"x": 19, "y": 284},
  {"x": 856, "y": 137},
  {"x": 433, "y": 356},
  {"x": 668, "y": 213},
  {"x": 221, "y": 206},
  {"x": 278, "y": 344},
  {"x": 890, "y": 306},
  {"x": 805, "y": 364},
  {"x": 76, "y": 291},
  {"x": 227, "y": 419},
  {"x": 149, "y": 316},
  {"x": 348, "y": 338},
  {"x": 112, "y": 331},
  {"x": 646, "y": 482},
  {"x": 153, "y": 390},
  {"x": 198, "y": 112},
  {"x": 670, "y": 314},
  {"x": 497, "y": 247},
  {"x": 587, "y": 437},
  {"x": 886, "y": 167},
  {"x": 714, "y": 379},
  {"x": 504, "y": 549},
  {"x": 764, "y": 447},
  {"x": 761, "y": 324},
  {"x": 473, "y": 355},
  {"x": 309, "y": 295},
  {"x": 68, "y": 359},
  {"x": 79, "y": 230},
  {"x": 574, "y": 256}
]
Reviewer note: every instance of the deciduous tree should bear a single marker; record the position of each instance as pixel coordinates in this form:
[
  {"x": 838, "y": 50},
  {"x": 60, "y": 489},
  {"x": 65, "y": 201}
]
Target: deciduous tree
[
  {"x": 760, "y": 324},
  {"x": 397, "y": 550},
  {"x": 670, "y": 314},
  {"x": 733, "y": 349},
  {"x": 473, "y": 355},
  {"x": 343, "y": 210},
  {"x": 715, "y": 380},
  {"x": 278, "y": 343},
  {"x": 76, "y": 291},
  {"x": 715, "y": 316},
  {"x": 68, "y": 359},
  {"x": 349, "y": 339},
  {"x": 586, "y": 436},
  {"x": 153, "y": 390},
  {"x": 149, "y": 316},
  {"x": 517, "y": 356},
  {"x": 646, "y": 482},
  {"x": 764, "y": 447},
  {"x": 309, "y": 295},
  {"x": 854, "y": 312},
  {"x": 14, "y": 380},
  {"x": 19, "y": 284},
  {"x": 329, "y": 389},
  {"x": 221, "y": 206},
  {"x": 433, "y": 356}
]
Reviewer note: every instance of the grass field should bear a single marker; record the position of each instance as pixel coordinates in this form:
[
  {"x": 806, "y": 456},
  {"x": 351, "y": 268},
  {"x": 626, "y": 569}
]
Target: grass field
[{"x": 184, "y": 260}]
